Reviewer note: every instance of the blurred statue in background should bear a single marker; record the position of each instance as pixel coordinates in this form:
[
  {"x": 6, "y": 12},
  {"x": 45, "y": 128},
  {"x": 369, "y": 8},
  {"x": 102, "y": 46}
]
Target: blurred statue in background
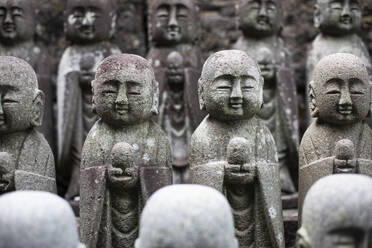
[
  {"x": 261, "y": 22},
  {"x": 89, "y": 25},
  {"x": 174, "y": 30}
]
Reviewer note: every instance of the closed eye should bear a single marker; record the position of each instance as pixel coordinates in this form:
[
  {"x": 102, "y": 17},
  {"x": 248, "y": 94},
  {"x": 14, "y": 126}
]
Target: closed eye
[
  {"x": 224, "y": 88},
  {"x": 247, "y": 88},
  {"x": 134, "y": 93},
  {"x": 333, "y": 92},
  {"x": 109, "y": 92},
  {"x": 9, "y": 101},
  {"x": 357, "y": 92}
]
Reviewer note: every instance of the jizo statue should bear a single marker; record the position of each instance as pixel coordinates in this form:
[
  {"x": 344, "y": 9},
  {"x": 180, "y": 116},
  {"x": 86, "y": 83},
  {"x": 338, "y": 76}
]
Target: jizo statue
[
  {"x": 174, "y": 30},
  {"x": 196, "y": 216},
  {"x": 89, "y": 25},
  {"x": 339, "y": 140},
  {"x": 37, "y": 219},
  {"x": 17, "y": 33},
  {"x": 26, "y": 160},
  {"x": 337, "y": 213},
  {"x": 338, "y": 23},
  {"x": 261, "y": 22},
  {"x": 233, "y": 151},
  {"x": 126, "y": 156}
]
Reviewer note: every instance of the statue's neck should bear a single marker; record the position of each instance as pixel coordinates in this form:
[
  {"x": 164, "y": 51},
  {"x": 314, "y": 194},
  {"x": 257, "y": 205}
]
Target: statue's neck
[
  {"x": 12, "y": 140},
  {"x": 336, "y": 37},
  {"x": 267, "y": 39}
]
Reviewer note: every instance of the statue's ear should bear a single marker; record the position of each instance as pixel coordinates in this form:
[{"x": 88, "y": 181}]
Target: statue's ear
[
  {"x": 113, "y": 25},
  {"x": 370, "y": 97},
  {"x": 93, "y": 98},
  {"x": 314, "y": 111},
  {"x": 302, "y": 239},
  {"x": 37, "y": 109},
  {"x": 262, "y": 83},
  {"x": 201, "y": 94},
  {"x": 316, "y": 16},
  {"x": 155, "y": 98}
]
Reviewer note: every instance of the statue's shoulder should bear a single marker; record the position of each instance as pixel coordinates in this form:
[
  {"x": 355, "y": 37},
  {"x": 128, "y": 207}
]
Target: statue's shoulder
[
  {"x": 156, "y": 131},
  {"x": 35, "y": 137},
  {"x": 202, "y": 133}
]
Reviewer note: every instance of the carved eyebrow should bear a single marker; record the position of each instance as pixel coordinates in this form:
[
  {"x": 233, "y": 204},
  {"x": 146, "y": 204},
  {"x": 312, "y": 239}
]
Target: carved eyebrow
[
  {"x": 225, "y": 77},
  {"x": 164, "y": 6},
  {"x": 7, "y": 87},
  {"x": 334, "y": 81}
]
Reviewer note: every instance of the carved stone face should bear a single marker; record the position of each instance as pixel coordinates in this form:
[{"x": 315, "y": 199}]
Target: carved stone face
[
  {"x": 259, "y": 18},
  {"x": 340, "y": 90},
  {"x": 173, "y": 22},
  {"x": 175, "y": 68},
  {"x": 89, "y": 21},
  {"x": 124, "y": 91},
  {"x": 21, "y": 102},
  {"x": 340, "y": 216},
  {"x": 266, "y": 61},
  {"x": 16, "y": 21},
  {"x": 338, "y": 17},
  {"x": 230, "y": 87}
]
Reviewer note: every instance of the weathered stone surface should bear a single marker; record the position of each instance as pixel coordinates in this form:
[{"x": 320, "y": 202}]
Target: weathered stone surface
[
  {"x": 18, "y": 22},
  {"x": 89, "y": 25},
  {"x": 234, "y": 152},
  {"x": 260, "y": 23},
  {"x": 125, "y": 96},
  {"x": 36, "y": 220},
  {"x": 338, "y": 216},
  {"x": 187, "y": 216},
  {"x": 173, "y": 33},
  {"x": 339, "y": 140},
  {"x": 27, "y": 162}
]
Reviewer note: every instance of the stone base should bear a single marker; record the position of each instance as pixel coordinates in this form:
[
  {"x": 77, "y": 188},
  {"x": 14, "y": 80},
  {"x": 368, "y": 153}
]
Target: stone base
[{"x": 290, "y": 217}]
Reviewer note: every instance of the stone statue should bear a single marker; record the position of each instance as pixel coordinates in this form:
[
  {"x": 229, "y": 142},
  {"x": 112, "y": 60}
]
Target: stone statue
[
  {"x": 26, "y": 160},
  {"x": 260, "y": 23},
  {"x": 338, "y": 23},
  {"x": 340, "y": 216},
  {"x": 18, "y": 22},
  {"x": 339, "y": 140},
  {"x": 187, "y": 216},
  {"x": 233, "y": 151},
  {"x": 35, "y": 219},
  {"x": 174, "y": 30},
  {"x": 89, "y": 25},
  {"x": 126, "y": 156}
]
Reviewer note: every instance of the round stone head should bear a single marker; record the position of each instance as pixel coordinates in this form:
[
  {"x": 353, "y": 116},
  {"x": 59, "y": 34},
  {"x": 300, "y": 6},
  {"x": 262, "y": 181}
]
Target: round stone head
[
  {"x": 337, "y": 213},
  {"x": 89, "y": 21},
  {"x": 231, "y": 86},
  {"x": 124, "y": 90},
  {"x": 175, "y": 68},
  {"x": 21, "y": 102},
  {"x": 173, "y": 22},
  {"x": 17, "y": 21},
  {"x": 340, "y": 91},
  {"x": 260, "y": 18},
  {"x": 187, "y": 216},
  {"x": 338, "y": 17},
  {"x": 35, "y": 219}
]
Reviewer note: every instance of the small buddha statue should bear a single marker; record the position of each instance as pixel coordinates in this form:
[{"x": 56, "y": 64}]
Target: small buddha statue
[
  {"x": 339, "y": 140},
  {"x": 126, "y": 156},
  {"x": 26, "y": 159},
  {"x": 233, "y": 151}
]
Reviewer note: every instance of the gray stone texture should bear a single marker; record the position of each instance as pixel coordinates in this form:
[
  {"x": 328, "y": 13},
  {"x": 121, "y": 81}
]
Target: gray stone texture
[
  {"x": 126, "y": 156},
  {"x": 187, "y": 216},
  {"x": 341, "y": 215},
  {"x": 233, "y": 151},
  {"x": 27, "y": 162},
  {"x": 339, "y": 140},
  {"x": 37, "y": 220}
]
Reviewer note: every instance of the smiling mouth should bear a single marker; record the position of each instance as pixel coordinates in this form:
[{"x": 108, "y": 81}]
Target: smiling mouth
[
  {"x": 236, "y": 105},
  {"x": 9, "y": 28},
  {"x": 346, "y": 20},
  {"x": 345, "y": 111}
]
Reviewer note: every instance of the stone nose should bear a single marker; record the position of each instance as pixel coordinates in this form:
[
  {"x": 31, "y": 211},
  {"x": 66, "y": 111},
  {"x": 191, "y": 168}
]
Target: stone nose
[
  {"x": 346, "y": 10},
  {"x": 1, "y": 107},
  {"x": 8, "y": 18},
  {"x": 345, "y": 98},
  {"x": 236, "y": 93},
  {"x": 173, "y": 18},
  {"x": 122, "y": 98},
  {"x": 262, "y": 12},
  {"x": 88, "y": 19}
]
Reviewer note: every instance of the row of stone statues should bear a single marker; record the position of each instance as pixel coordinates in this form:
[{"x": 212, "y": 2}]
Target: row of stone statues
[
  {"x": 126, "y": 156},
  {"x": 176, "y": 58},
  {"x": 191, "y": 216}
]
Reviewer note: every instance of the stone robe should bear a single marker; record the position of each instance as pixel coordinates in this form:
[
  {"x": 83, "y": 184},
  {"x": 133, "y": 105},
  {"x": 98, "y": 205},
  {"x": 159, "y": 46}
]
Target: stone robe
[
  {"x": 33, "y": 161},
  {"x": 105, "y": 221},
  {"x": 257, "y": 209}
]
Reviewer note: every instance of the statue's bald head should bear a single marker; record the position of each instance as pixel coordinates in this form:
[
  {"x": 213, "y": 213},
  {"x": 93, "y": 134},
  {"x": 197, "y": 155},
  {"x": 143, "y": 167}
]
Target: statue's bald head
[
  {"x": 187, "y": 216},
  {"x": 337, "y": 209},
  {"x": 37, "y": 219}
]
